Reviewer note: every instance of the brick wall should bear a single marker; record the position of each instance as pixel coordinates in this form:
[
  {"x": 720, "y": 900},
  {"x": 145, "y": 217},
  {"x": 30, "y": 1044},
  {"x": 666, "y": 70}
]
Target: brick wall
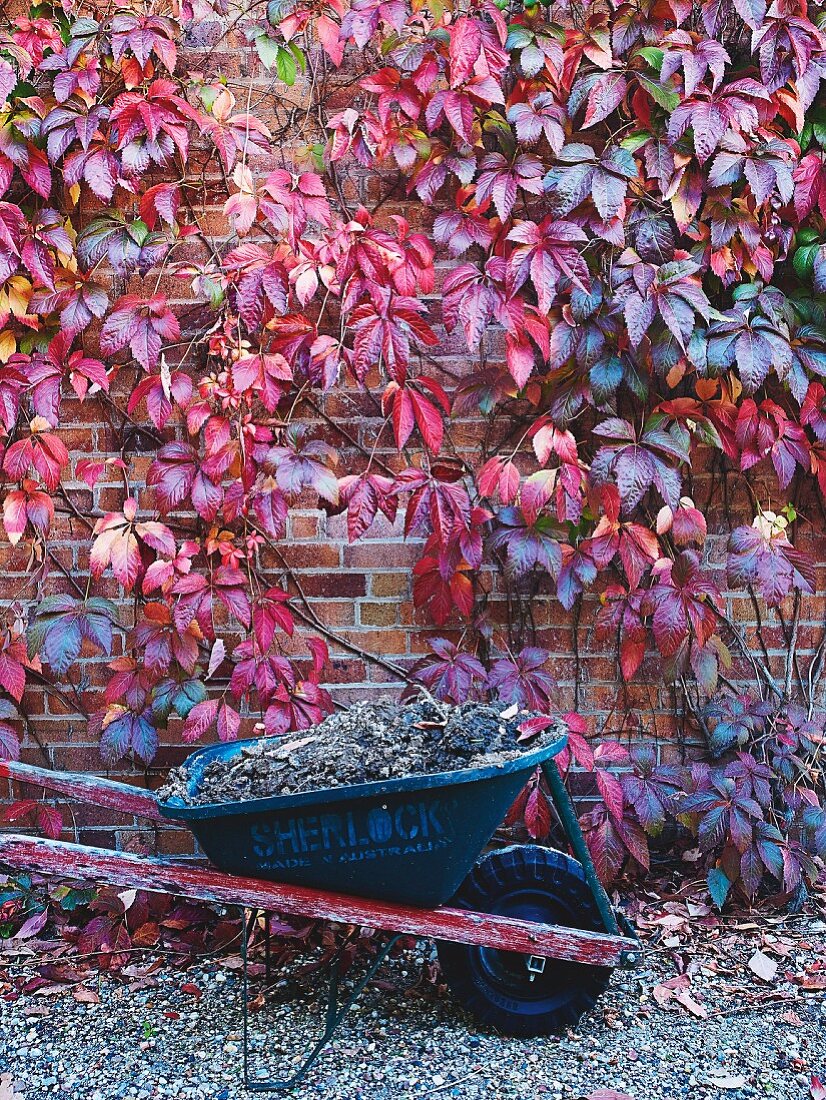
[{"x": 361, "y": 592}]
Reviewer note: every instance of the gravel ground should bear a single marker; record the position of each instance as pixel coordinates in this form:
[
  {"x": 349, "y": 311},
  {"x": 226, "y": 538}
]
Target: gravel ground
[{"x": 180, "y": 1037}]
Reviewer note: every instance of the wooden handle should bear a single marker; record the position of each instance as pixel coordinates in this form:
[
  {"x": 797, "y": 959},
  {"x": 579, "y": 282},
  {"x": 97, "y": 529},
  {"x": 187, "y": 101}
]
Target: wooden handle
[
  {"x": 53, "y": 857},
  {"x": 91, "y": 789}
]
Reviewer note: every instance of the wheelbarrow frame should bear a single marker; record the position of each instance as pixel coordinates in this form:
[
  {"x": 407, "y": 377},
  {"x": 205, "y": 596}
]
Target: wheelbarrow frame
[{"x": 612, "y": 947}]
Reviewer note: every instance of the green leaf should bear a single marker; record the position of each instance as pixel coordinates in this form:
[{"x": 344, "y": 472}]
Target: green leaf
[
  {"x": 208, "y": 94},
  {"x": 298, "y": 54},
  {"x": 139, "y": 231},
  {"x": 660, "y": 93},
  {"x": 635, "y": 141},
  {"x": 69, "y": 898},
  {"x": 653, "y": 55},
  {"x": 719, "y": 885},
  {"x": 518, "y": 37},
  {"x": 213, "y": 290},
  {"x": 317, "y": 152},
  {"x": 285, "y": 66},
  {"x": 803, "y": 261},
  {"x": 706, "y": 433},
  {"x": 268, "y": 50}
]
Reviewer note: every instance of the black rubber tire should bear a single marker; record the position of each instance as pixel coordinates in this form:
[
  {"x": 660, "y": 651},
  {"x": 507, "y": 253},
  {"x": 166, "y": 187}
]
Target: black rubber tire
[{"x": 533, "y": 883}]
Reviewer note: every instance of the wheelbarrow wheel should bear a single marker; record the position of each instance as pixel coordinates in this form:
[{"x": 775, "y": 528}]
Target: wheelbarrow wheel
[{"x": 532, "y": 883}]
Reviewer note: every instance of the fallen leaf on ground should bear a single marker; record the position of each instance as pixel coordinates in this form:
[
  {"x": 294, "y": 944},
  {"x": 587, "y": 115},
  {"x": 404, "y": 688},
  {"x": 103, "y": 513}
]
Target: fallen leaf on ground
[
  {"x": 726, "y": 1080},
  {"x": 677, "y": 989},
  {"x": 791, "y": 1018},
  {"x": 815, "y": 978},
  {"x": 192, "y": 989},
  {"x": 817, "y": 1089},
  {"x": 763, "y": 966},
  {"x": 32, "y": 926},
  {"x": 86, "y": 997},
  {"x": 39, "y": 988},
  {"x": 683, "y": 997},
  {"x": 7, "y": 1088},
  {"x": 608, "y": 1094},
  {"x": 781, "y": 948},
  {"x": 142, "y": 983},
  {"x": 697, "y": 909}
]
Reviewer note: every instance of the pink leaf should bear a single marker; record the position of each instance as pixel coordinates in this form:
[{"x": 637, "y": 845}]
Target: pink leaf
[
  {"x": 32, "y": 926},
  {"x": 605, "y": 96},
  {"x": 199, "y": 720}
]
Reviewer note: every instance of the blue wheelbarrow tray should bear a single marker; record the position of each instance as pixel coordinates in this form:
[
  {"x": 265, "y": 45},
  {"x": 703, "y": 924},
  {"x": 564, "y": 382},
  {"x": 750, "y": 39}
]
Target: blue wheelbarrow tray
[{"x": 410, "y": 841}]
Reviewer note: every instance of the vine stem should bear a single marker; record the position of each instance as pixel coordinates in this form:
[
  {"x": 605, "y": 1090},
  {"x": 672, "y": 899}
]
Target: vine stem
[
  {"x": 328, "y": 420},
  {"x": 814, "y": 674},
  {"x": 759, "y": 620},
  {"x": 696, "y": 713},
  {"x": 791, "y": 655},
  {"x": 760, "y": 670},
  {"x": 308, "y": 616}
]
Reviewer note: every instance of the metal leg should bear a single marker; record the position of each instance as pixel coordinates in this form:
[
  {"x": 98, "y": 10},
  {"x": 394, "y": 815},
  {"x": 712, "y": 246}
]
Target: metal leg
[
  {"x": 334, "y": 1014},
  {"x": 573, "y": 833},
  {"x": 267, "y": 950}
]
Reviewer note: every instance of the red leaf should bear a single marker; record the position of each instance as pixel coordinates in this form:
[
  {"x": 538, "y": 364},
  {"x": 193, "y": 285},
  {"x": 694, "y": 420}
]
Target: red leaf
[
  {"x": 12, "y": 676},
  {"x": 199, "y": 720},
  {"x": 465, "y": 46},
  {"x": 611, "y": 790},
  {"x": 49, "y": 820},
  {"x": 429, "y": 420},
  {"x": 228, "y": 722},
  {"x": 90, "y": 470},
  {"x": 9, "y": 743},
  {"x": 404, "y": 418},
  {"x": 537, "y": 814},
  {"x": 533, "y": 726},
  {"x": 329, "y": 35}
]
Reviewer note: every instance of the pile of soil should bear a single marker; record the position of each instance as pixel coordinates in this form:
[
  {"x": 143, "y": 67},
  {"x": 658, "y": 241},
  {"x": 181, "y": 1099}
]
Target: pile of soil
[{"x": 367, "y": 742}]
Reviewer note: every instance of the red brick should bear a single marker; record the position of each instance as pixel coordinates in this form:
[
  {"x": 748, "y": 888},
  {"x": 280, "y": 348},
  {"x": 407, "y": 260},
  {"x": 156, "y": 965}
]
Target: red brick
[
  {"x": 389, "y": 584},
  {"x": 349, "y": 585},
  {"x": 385, "y": 642},
  {"x": 378, "y": 614},
  {"x": 390, "y": 555}
]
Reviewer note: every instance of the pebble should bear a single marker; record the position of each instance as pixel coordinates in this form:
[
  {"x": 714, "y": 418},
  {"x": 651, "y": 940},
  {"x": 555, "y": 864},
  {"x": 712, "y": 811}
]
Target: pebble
[{"x": 403, "y": 1046}]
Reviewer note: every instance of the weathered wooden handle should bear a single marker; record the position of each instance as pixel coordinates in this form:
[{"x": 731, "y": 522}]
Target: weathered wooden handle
[
  {"x": 459, "y": 925},
  {"x": 91, "y": 789}
]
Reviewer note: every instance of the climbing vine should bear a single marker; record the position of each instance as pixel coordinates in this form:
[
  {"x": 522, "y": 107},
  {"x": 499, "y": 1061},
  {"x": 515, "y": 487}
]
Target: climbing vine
[{"x": 617, "y": 208}]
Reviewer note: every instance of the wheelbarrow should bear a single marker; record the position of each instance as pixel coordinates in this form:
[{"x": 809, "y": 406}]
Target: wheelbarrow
[{"x": 527, "y": 942}]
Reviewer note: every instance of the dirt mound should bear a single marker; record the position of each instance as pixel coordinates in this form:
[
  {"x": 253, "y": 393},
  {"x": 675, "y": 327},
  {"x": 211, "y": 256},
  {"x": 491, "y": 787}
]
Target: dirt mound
[{"x": 367, "y": 742}]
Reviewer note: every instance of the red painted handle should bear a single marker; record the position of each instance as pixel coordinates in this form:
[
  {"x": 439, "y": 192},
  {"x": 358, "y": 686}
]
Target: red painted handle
[
  {"x": 91, "y": 789},
  {"x": 462, "y": 926}
]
